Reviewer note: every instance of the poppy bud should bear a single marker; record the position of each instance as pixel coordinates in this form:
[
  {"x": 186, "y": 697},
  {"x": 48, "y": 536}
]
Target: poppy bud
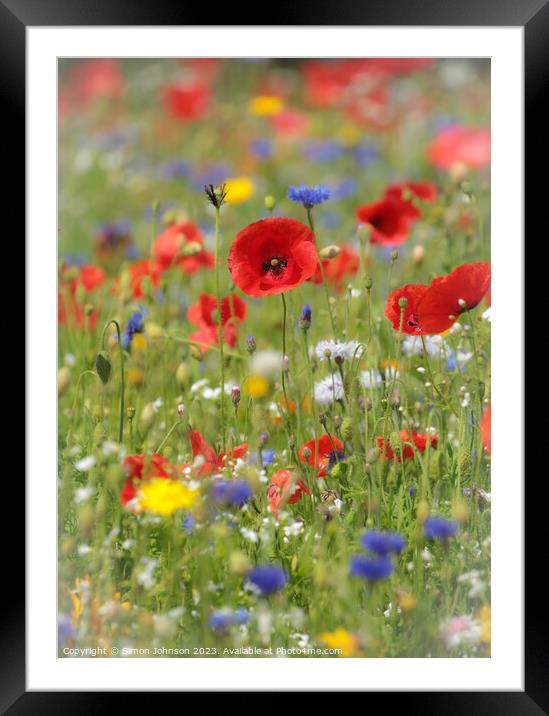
[
  {"x": 347, "y": 428},
  {"x": 195, "y": 353},
  {"x": 329, "y": 252},
  {"x": 368, "y": 283},
  {"x": 322, "y": 419},
  {"x": 182, "y": 374},
  {"x": 103, "y": 366},
  {"x": 418, "y": 254},
  {"x": 394, "y": 255},
  {"x": 269, "y": 202},
  {"x": 169, "y": 217},
  {"x": 306, "y": 452},
  {"x": 130, "y": 412},
  {"x": 88, "y": 309},
  {"x": 63, "y": 379},
  {"x": 147, "y": 416},
  {"x": 422, "y": 511}
]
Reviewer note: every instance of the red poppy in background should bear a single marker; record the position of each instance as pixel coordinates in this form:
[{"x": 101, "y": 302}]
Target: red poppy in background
[
  {"x": 435, "y": 308},
  {"x": 390, "y": 220},
  {"x": 138, "y": 271},
  {"x": 272, "y": 256},
  {"x": 424, "y": 190},
  {"x": 213, "y": 463},
  {"x": 206, "y": 68},
  {"x": 170, "y": 243},
  {"x": 406, "y": 451},
  {"x": 486, "y": 429},
  {"x": 283, "y": 490},
  {"x": 336, "y": 270},
  {"x": 203, "y": 315},
  {"x": 141, "y": 467},
  {"x": 69, "y": 310},
  {"x": 90, "y": 79},
  {"x": 469, "y": 146},
  {"x": 187, "y": 101},
  {"x": 330, "y": 451},
  {"x": 290, "y": 122}
]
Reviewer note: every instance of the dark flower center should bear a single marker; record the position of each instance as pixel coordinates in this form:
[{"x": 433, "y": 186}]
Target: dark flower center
[
  {"x": 412, "y": 321},
  {"x": 275, "y": 266}
]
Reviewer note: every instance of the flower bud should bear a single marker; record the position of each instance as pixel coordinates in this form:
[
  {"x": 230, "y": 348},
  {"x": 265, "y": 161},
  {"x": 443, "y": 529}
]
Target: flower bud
[
  {"x": 235, "y": 396},
  {"x": 183, "y": 374},
  {"x": 394, "y": 255},
  {"x": 269, "y": 202},
  {"x": 347, "y": 428},
  {"x": 63, "y": 379},
  {"x": 418, "y": 254},
  {"x": 250, "y": 344},
  {"x": 368, "y": 283},
  {"x": 103, "y": 366},
  {"x": 329, "y": 252}
]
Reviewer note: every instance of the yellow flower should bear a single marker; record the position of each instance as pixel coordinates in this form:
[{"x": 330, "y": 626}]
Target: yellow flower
[
  {"x": 164, "y": 497},
  {"x": 349, "y": 135},
  {"x": 256, "y": 386},
  {"x": 407, "y": 601},
  {"x": 239, "y": 189},
  {"x": 139, "y": 342},
  {"x": 265, "y": 105},
  {"x": 135, "y": 376},
  {"x": 485, "y": 618},
  {"x": 341, "y": 639}
]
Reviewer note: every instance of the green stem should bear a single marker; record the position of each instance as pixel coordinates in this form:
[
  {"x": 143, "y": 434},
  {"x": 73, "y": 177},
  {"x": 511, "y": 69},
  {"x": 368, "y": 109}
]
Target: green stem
[
  {"x": 121, "y": 356},
  {"x": 431, "y": 378},
  {"x": 220, "y": 333},
  {"x": 284, "y": 312},
  {"x": 324, "y": 283}
]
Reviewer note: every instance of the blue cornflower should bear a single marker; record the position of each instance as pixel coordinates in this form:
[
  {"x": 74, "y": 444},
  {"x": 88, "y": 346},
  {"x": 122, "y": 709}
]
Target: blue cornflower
[
  {"x": 188, "y": 525},
  {"x": 267, "y": 456},
  {"x": 268, "y": 578},
  {"x": 65, "y": 629},
  {"x": 309, "y": 195},
  {"x": 224, "y": 618},
  {"x": 134, "y": 325},
  {"x": 371, "y": 568},
  {"x": 439, "y": 528},
  {"x": 323, "y": 151},
  {"x": 383, "y": 543},
  {"x": 231, "y": 492},
  {"x": 412, "y": 490},
  {"x": 334, "y": 456},
  {"x": 365, "y": 154},
  {"x": 304, "y": 321},
  {"x": 261, "y": 148}
]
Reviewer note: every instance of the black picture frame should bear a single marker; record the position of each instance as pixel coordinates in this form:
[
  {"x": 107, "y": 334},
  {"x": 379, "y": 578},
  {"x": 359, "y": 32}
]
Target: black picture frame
[{"x": 533, "y": 15}]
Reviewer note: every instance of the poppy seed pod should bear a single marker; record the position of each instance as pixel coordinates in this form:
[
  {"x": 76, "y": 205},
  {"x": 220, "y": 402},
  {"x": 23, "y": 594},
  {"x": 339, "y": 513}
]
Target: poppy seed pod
[{"x": 103, "y": 366}]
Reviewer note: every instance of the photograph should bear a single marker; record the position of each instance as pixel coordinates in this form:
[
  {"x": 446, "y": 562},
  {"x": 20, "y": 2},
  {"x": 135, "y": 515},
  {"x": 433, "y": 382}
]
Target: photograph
[{"x": 274, "y": 365}]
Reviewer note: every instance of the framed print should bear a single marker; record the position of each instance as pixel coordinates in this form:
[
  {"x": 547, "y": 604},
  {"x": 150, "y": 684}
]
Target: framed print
[{"x": 273, "y": 390}]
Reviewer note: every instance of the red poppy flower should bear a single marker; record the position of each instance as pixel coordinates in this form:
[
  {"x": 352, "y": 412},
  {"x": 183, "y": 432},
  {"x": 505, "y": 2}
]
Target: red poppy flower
[
  {"x": 330, "y": 451},
  {"x": 372, "y": 109},
  {"x": 469, "y": 146},
  {"x": 95, "y": 78},
  {"x": 486, "y": 429},
  {"x": 406, "y": 451},
  {"x": 138, "y": 271},
  {"x": 390, "y": 220},
  {"x": 435, "y": 308},
  {"x": 212, "y": 462},
  {"x": 169, "y": 245},
  {"x": 283, "y": 490},
  {"x": 69, "y": 310},
  {"x": 424, "y": 190},
  {"x": 290, "y": 122},
  {"x": 187, "y": 101},
  {"x": 272, "y": 256},
  {"x": 336, "y": 270},
  {"x": 142, "y": 467},
  {"x": 202, "y": 314}
]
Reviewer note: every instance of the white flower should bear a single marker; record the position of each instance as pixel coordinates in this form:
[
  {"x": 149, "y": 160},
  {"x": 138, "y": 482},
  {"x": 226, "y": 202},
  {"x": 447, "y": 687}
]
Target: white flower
[
  {"x": 84, "y": 549},
  {"x": 487, "y": 315},
  {"x": 338, "y": 350},
  {"x": 82, "y": 493},
  {"x": 266, "y": 363},
  {"x": 145, "y": 577},
  {"x": 329, "y": 389},
  {"x": 434, "y": 345},
  {"x": 460, "y": 631},
  {"x": 85, "y": 464},
  {"x": 250, "y": 535},
  {"x": 70, "y": 360},
  {"x": 293, "y": 529},
  {"x": 371, "y": 378}
]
